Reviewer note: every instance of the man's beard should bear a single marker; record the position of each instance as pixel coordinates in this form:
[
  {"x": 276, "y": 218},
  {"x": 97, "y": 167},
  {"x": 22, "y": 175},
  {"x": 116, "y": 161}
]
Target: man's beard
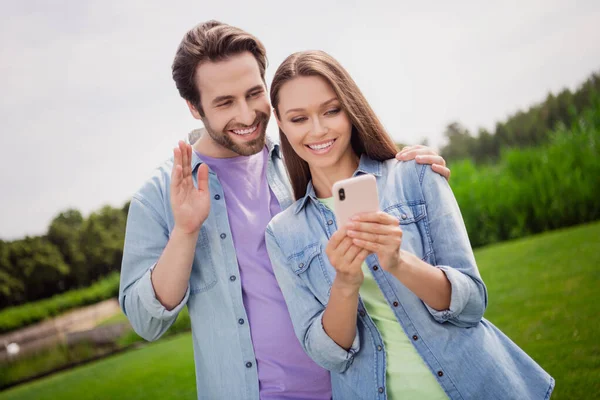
[{"x": 243, "y": 149}]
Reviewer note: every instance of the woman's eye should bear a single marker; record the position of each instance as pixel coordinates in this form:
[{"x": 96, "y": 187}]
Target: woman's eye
[
  {"x": 333, "y": 111},
  {"x": 298, "y": 119}
]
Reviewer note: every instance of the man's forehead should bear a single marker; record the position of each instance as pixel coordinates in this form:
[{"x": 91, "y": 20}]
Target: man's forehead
[{"x": 229, "y": 77}]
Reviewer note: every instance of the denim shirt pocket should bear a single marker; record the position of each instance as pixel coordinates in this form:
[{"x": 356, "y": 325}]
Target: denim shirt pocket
[
  {"x": 203, "y": 275},
  {"x": 309, "y": 265},
  {"x": 411, "y": 217}
]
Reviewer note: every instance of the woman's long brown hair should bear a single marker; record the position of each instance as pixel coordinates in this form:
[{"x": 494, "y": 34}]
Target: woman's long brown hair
[{"x": 368, "y": 135}]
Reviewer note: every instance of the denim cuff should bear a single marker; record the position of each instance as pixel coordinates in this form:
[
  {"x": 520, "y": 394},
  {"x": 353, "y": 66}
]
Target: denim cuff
[
  {"x": 328, "y": 353},
  {"x": 150, "y": 302},
  {"x": 459, "y": 297}
]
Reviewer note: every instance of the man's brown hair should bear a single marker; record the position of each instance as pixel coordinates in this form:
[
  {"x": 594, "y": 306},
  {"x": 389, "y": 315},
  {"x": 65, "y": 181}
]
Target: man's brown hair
[{"x": 211, "y": 41}]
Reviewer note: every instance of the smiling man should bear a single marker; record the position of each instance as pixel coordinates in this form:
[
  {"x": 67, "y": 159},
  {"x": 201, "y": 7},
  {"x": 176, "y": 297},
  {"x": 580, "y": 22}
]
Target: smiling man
[{"x": 196, "y": 230}]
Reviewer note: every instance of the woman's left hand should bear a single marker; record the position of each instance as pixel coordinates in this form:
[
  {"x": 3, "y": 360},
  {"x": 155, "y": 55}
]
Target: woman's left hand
[{"x": 379, "y": 233}]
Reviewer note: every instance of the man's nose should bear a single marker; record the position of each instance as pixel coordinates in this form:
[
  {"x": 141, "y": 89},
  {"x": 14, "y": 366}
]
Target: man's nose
[{"x": 247, "y": 115}]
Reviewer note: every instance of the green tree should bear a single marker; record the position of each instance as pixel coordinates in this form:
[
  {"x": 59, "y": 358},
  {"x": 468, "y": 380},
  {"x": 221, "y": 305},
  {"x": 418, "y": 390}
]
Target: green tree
[
  {"x": 39, "y": 265},
  {"x": 101, "y": 241},
  {"x": 12, "y": 289},
  {"x": 64, "y": 232}
]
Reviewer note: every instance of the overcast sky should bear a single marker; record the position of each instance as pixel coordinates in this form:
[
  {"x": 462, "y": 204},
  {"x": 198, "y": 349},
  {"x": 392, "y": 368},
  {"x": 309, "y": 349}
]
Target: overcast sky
[{"x": 88, "y": 107}]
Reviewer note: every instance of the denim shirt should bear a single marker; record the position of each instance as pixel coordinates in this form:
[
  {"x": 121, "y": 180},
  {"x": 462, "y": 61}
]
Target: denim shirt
[
  {"x": 468, "y": 355},
  {"x": 223, "y": 351}
]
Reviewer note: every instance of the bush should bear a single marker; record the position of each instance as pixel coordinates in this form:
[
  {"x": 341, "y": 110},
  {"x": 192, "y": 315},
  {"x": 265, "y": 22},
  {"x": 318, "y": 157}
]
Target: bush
[
  {"x": 533, "y": 190},
  {"x": 20, "y": 316}
]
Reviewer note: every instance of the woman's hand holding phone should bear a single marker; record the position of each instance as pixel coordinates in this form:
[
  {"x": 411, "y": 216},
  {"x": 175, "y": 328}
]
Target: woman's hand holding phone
[
  {"x": 378, "y": 233},
  {"x": 347, "y": 259}
]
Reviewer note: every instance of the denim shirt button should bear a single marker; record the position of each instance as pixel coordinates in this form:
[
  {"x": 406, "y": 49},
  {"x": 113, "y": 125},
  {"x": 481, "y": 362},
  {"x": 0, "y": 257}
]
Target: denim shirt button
[
  {"x": 330, "y": 222},
  {"x": 362, "y": 313},
  {"x": 379, "y": 348},
  {"x": 223, "y": 236},
  {"x": 375, "y": 267},
  {"x": 404, "y": 216},
  {"x": 248, "y": 364},
  {"x": 217, "y": 197},
  {"x": 440, "y": 373},
  {"x": 232, "y": 278},
  {"x": 415, "y": 337},
  {"x": 395, "y": 304},
  {"x": 301, "y": 265},
  {"x": 380, "y": 390},
  {"x": 241, "y": 321}
]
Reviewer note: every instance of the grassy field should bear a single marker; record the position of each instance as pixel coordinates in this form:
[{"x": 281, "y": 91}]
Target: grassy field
[
  {"x": 542, "y": 293},
  {"x": 161, "y": 370}
]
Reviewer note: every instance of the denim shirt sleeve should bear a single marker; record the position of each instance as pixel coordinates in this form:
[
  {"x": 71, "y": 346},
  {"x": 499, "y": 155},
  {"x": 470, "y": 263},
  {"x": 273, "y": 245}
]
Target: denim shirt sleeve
[
  {"x": 146, "y": 237},
  {"x": 453, "y": 252},
  {"x": 307, "y": 315}
]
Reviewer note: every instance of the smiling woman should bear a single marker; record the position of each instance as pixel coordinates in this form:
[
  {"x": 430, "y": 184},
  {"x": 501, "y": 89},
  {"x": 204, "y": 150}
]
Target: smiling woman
[
  {"x": 391, "y": 302},
  {"x": 326, "y": 116}
]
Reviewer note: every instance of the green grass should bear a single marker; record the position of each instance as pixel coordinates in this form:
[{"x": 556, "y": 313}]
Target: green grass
[
  {"x": 161, "y": 370},
  {"x": 543, "y": 293}
]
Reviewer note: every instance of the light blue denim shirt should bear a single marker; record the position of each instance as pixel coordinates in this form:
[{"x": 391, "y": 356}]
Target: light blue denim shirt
[
  {"x": 223, "y": 351},
  {"x": 469, "y": 356}
]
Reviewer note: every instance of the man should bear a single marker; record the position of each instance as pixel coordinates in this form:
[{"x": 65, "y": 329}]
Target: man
[{"x": 195, "y": 230}]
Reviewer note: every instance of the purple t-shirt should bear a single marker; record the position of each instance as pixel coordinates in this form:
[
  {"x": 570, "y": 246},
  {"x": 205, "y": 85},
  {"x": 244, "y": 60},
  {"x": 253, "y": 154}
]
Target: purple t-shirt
[{"x": 284, "y": 369}]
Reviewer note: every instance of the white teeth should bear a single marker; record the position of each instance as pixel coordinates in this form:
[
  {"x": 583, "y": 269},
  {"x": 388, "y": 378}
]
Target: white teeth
[
  {"x": 320, "y": 146},
  {"x": 244, "y": 131}
]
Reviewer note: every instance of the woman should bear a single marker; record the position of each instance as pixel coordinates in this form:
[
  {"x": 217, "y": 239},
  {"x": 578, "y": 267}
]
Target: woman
[{"x": 393, "y": 303}]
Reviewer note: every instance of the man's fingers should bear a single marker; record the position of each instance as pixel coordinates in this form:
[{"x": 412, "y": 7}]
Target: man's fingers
[
  {"x": 185, "y": 162},
  {"x": 202, "y": 176},
  {"x": 415, "y": 151},
  {"x": 430, "y": 159},
  {"x": 176, "y": 171},
  {"x": 443, "y": 171}
]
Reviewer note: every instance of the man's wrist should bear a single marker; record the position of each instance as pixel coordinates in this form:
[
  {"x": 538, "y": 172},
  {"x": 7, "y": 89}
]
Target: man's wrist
[{"x": 180, "y": 234}]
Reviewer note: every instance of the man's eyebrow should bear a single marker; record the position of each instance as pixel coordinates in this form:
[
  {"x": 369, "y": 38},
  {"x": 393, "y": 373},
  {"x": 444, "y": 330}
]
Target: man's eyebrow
[
  {"x": 254, "y": 89},
  {"x": 322, "y": 105},
  {"x": 220, "y": 99}
]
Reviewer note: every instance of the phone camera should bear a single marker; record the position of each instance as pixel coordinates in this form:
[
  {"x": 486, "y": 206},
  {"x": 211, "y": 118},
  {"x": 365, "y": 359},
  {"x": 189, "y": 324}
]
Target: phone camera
[{"x": 342, "y": 194}]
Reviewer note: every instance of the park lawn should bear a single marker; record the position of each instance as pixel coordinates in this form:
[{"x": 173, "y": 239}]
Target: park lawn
[
  {"x": 161, "y": 370},
  {"x": 543, "y": 293}
]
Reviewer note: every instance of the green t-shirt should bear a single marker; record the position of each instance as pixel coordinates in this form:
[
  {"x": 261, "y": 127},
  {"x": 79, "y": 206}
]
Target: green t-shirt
[{"x": 407, "y": 375}]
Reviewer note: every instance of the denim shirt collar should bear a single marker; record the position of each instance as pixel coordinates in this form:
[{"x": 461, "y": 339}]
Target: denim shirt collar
[
  {"x": 272, "y": 145},
  {"x": 365, "y": 166}
]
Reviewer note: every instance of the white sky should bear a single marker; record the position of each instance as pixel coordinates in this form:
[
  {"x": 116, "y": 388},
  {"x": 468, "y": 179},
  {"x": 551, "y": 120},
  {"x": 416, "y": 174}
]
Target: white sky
[{"x": 88, "y": 107}]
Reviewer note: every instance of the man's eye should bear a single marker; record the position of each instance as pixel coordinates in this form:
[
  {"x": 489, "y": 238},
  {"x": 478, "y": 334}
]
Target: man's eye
[
  {"x": 225, "y": 104},
  {"x": 255, "y": 94}
]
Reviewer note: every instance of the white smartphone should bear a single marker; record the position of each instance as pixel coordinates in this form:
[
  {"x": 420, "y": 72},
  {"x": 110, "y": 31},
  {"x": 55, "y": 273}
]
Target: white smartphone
[{"x": 353, "y": 196}]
